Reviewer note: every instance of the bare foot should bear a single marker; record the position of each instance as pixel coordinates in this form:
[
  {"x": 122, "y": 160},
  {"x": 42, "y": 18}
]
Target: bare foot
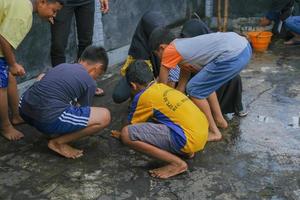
[
  {"x": 168, "y": 170},
  {"x": 293, "y": 41},
  {"x": 214, "y": 136},
  {"x": 65, "y": 150},
  {"x": 17, "y": 120},
  {"x": 221, "y": 123},
  {"x": 189, "y": 156},
  {"x": 116, "y": 134},
  {"x": 99, "y": 92},
  {"x": 11, "y": 133}
]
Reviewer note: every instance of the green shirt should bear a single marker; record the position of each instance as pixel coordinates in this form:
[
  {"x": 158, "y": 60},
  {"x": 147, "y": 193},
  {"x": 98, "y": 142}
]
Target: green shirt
[{"x": 15, "y": 21}]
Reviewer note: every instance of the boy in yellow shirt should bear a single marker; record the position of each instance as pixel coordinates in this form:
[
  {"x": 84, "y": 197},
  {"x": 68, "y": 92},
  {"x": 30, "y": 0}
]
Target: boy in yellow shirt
[
  {"x": 15, "y": 23},
  {"x": 181, "y": 129}
]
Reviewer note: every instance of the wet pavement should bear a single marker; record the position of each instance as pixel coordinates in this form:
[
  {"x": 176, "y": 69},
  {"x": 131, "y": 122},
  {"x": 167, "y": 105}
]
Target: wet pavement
[{"x": 259, "y": 157}]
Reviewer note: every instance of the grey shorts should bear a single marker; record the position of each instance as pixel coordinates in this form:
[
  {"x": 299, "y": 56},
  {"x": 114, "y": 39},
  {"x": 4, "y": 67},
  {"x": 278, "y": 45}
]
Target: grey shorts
[{"x": 158, "y": 135}]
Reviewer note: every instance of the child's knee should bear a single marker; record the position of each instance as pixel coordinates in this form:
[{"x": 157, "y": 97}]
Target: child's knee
[
  {"x": 100, "y": 116},
  {"x": 106, "y": 117}
]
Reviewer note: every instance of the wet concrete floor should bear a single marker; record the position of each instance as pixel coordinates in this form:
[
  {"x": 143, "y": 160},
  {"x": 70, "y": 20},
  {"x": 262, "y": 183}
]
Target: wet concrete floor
[{"x": 259, "y": 157}]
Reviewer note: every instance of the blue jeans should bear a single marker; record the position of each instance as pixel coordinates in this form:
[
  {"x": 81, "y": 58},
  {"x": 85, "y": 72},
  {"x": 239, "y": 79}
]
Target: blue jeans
[
  {"x": 293, "y": 24},
  {"x": 216, "y": 74}
]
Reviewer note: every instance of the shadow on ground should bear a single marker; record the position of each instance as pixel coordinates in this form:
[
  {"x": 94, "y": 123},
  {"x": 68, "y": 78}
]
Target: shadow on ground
[{"x": 258, "y": 158}]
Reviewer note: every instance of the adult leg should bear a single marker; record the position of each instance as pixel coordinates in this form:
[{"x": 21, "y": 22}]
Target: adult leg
[
  {"x": 175, "y": 164},
  {"x": 85, "y": 25},
  {"x": 99, "y": 119},
  {"x": 60, "y": 31},
  {"x": 230, "y": 96},
  {"x": 13, "y": 100},
  {"x": 6, "y": 128}
]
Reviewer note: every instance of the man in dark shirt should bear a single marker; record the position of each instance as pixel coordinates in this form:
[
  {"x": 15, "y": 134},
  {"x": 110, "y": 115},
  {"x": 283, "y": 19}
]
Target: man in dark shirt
[
  {"x": 83, "y": 10},
  {"x": 60, "y": 103}
]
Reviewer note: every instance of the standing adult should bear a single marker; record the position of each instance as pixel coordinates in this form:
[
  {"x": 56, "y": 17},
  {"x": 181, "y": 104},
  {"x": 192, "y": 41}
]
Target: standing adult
[{"x": 84, "y": 11}]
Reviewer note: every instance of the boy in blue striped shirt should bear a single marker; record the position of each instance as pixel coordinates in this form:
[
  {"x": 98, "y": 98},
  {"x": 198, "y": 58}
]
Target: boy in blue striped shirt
[{"x": 60, "y": 103}]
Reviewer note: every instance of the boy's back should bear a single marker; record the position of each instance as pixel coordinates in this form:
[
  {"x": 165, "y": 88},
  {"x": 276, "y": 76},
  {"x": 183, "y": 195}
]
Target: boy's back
[
  {"x": 15, "y": 20},
  {"x": 62, "y": 86},
  {"x": 203, "y": 49},
  {"x": 168, "y": 106}
]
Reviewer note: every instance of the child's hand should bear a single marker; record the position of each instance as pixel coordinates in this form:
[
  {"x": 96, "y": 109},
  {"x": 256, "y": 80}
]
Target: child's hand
[
  {"x": 51, "y": 20},
  {"x": 104, "y": 6},
  {"x": 264, "y": 21},
  {"x": 116, "y": 134},
  {"x": 190, "y": 68},
  {"x": 17, "y": 70},
  {"x": 40, "y": 77}
]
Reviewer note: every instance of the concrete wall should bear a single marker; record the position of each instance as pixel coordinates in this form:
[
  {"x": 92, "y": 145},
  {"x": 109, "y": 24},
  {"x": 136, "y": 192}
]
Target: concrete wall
[
  {"x": 120, "y": 23},
  {"x": 113, "y": 30},
  {"x": 242, "y": 9},
  {"x": 250, "y": 8}
]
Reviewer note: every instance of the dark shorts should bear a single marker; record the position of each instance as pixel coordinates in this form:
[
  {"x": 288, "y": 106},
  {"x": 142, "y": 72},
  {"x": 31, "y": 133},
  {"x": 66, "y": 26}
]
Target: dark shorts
[
  {"x": 158, "y": 135},
  {"x": 3, "y": 73},
  {"x": 71, "y": 120}
]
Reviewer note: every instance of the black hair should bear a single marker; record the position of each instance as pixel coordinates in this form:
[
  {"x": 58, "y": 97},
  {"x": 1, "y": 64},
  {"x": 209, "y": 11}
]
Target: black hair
[
  {"x": 139, "y": 72},
  {"x": 160, "y": 35},
  {"x": 62, "y": 2},
  {"x": 193, "y": 28},
  {"x": 95, "y": 54}
]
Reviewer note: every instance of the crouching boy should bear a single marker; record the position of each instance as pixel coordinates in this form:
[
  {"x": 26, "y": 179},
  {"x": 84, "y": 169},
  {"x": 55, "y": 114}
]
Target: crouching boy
[
  {"x": 60, "y": 103},
  {"x": 214, "y": 58},
  {"x": 180, "y": 128}
]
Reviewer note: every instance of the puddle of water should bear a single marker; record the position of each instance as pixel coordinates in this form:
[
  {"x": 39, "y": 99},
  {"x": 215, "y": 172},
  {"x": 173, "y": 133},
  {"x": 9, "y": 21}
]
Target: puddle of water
[
  {"x": 288, "y": 67},
  {"x": 275, "y": 71},
  {"x": 247, "y": 70},
  {"x": 265, "y": 69},
  {"x": 265, "y": 119},
  {"x": 295, "y": 122}
]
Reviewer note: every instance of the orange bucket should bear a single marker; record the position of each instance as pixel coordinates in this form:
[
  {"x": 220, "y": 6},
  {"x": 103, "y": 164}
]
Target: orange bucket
[{"x": 260, "y": 40}]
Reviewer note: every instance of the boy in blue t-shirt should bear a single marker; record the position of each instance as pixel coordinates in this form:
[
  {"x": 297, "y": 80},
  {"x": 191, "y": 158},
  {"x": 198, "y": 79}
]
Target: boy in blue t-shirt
[
  {"x": 15, "y": 23},
  {"x": 60, "y": 103}
]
